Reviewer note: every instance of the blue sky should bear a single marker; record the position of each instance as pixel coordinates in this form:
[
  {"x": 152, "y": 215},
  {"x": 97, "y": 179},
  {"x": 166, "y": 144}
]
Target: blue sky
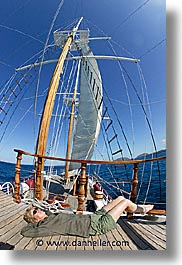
[{"x": 24, "y": 26}]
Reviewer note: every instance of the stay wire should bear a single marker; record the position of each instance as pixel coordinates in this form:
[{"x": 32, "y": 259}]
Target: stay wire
[
  {"x": 130, "y": 15},
  {"x": 40, "y": 69},
  {"x": 147, "y": 119},
  {"x": 154, "y": 47},
  {"x": 6, "y": 127}
]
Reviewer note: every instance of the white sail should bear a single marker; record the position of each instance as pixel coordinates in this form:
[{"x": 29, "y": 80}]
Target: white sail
[{"x": 89, "y": 111}]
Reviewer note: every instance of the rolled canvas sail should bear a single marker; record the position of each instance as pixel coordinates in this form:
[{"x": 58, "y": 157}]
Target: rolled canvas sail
[{"x": 89, "y": 111}]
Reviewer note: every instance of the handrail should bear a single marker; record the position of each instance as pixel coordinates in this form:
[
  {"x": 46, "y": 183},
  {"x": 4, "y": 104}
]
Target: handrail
[
  {"x": 82, "y": 176},
  {"x": 92, "y": 161}
]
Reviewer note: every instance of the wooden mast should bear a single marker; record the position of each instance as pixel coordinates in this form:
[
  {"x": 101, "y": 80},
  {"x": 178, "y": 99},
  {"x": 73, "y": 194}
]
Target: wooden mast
[
  {"x": 48, "y": 108},
  {"x": 70, "y": 130}
]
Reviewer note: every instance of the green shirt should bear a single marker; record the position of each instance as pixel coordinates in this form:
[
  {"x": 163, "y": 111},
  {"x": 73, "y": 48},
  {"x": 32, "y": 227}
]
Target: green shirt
[{"x": 60, "y": 224}]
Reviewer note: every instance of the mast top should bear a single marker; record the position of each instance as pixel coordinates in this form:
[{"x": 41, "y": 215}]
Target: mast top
[{"x": 81, "y": 37}]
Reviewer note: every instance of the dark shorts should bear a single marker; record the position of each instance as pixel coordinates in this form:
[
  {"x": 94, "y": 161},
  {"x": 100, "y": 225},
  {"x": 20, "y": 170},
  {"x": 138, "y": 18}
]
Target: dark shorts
[{"x": 101, "y": 223}]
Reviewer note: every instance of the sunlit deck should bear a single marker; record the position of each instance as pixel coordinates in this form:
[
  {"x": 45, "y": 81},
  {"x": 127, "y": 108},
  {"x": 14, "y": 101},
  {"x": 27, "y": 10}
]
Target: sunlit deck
[{"x": 129, "y": 234}]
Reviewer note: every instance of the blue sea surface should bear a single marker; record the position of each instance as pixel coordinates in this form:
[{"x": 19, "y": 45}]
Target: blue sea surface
[
  {"x": 151, "y": 177},
  {"x": 151, "y": 180}
]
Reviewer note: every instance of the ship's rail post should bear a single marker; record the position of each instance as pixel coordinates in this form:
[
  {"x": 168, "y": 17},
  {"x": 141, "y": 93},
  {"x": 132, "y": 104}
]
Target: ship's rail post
[
  {"x": 39, "y": 180},
  {"x": 134, "y": 187},
  {"x": 82, "y": 189},
  {"x": 17, "y": 197}
]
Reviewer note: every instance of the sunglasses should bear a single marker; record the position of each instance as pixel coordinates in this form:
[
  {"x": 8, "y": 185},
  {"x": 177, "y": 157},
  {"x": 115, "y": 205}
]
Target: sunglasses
[{"x": 35, "y": 211}]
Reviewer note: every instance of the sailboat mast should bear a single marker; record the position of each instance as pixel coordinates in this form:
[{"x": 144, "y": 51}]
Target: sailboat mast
[
  {"x": 70, "y": 130},
  {"x": 49, "y": 103}
]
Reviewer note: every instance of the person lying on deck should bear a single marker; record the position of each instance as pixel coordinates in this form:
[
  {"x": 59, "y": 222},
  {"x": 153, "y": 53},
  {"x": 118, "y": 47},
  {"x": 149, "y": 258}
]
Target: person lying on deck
[{"x": 100, "y": 222}]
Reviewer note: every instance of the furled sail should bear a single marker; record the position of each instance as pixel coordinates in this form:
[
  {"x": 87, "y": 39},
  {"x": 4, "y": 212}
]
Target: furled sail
[{"x": 89, "y": 110}]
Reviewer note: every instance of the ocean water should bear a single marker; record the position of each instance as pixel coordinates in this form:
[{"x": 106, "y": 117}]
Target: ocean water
[
  {"x": 151, "y": 181},
  {"x": 151, "y": 177}
]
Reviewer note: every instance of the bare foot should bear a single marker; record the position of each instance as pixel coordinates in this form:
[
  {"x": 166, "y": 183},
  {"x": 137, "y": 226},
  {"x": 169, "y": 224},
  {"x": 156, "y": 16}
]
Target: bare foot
[{"x": 147, "y": 208}]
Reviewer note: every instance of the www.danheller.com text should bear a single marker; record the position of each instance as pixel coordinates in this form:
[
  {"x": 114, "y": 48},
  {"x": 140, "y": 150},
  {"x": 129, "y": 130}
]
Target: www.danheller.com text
[{"x": 99, "y": 242}]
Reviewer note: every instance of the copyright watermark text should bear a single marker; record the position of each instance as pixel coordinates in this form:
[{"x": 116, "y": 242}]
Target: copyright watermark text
[{"x": 84, "y": 243}]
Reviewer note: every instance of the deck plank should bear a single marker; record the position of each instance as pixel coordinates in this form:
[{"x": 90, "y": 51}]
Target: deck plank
[
  {"x": 159, "y": 230},
  {"x": 152, "y": 229},
  {"x": 71, "y": 246},
  {"x": 138, "y": 235},
  {"x": 54, "y": 243},
  {"x": 22, "y": 243},
  {"x": 90, "y": 243},
  {"x": 32, "y": 244},
  {"x": 96, "y": 243},
  {"x": 79, "y": 243},
  {"x": 3, "y": 196},
  {"x": 15, "y": 239},
  {"x": 6, "y": 236},
  {"x": 14, "y": 215},
  {"x": 162, "y": 226},
  {"x": 63, "y": 245},
  {"x": 138, "y": 240},
  {"x": 104, "y": 241},
  {"x": 6, "y": 209},
  {"x": 5, "y": 203},
  {"x": 111, "y": 239},
  {"x": 149, "y": 235},
  {"x": 10, "y": 225},
  {"x": 121, "y": 235}
]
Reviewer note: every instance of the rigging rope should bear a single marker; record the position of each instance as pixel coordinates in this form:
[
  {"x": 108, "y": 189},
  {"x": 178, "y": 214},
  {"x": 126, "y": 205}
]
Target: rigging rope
[
  {"x": 143, "y": 83},
  {"x": 67, "y": 25},
  {"x": 18, "y": 31},
  {"x": 115, "y": 181},
  {"x": 128, "y": 97},
  {"x": 127, "y": 144},
  {"x": 141, "y": 103},
  {"x": 3, "y": 63},
  {"x": 130, "y": 15},
  {"x": 145, "y": 104},
  {"x": 18, "y": 85},
  {"x": 150, "y": 179},
  {"x": 108, "y": 183},
  {"x": 151, "y": 49},
  {"x": 130, "y": 104},
  {"x": 87, "y": 75},
  {"x": 56, "y": 133},
  {"x": 11, "y": 116},
  {"x": 86, "y": 72},
  {"x": 14, "y": 11},
  {"x": 147, "y": 119},
  {"x": 38, "y": 80},
  {"x": 19, "y": 121},
  {"x": 7, "y": 84},
  {"x": 69, "y": 85}
]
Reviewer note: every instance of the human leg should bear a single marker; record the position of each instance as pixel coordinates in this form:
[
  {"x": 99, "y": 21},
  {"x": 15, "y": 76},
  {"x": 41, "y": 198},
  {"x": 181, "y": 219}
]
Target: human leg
[
  {"x": 128, "y": 206},
  {"x": 113, "y": 203}
]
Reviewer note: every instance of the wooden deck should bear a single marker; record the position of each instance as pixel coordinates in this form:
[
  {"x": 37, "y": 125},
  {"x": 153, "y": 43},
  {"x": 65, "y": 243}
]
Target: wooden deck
[{"x": 129, "y": 235}]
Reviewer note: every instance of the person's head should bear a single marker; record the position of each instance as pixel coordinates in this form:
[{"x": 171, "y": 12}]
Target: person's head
[{"x": 34, "y": 215}]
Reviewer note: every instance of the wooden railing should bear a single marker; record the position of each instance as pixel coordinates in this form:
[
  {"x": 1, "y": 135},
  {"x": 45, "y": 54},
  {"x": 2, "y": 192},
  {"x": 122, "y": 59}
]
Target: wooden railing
[{"x": 82, "y": 177}]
